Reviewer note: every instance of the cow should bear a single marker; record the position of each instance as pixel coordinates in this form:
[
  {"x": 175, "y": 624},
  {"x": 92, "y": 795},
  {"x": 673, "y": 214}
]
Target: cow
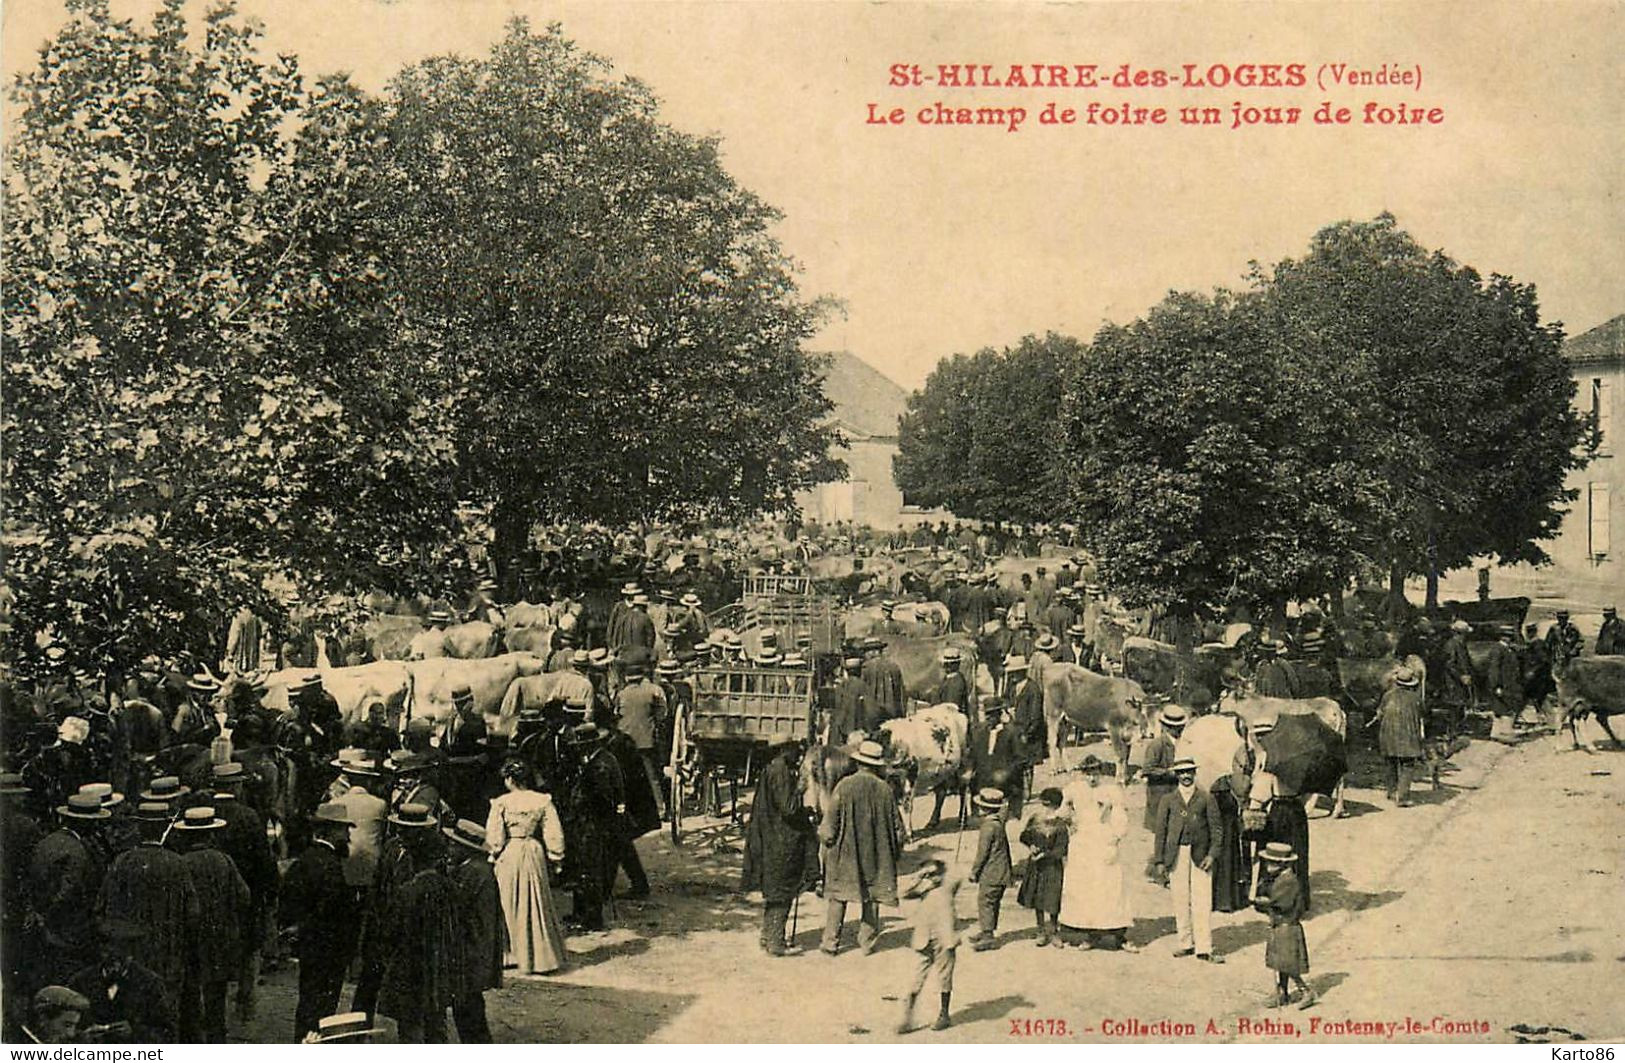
[
  {"x": 921, "y": 661},
  {"x": 928, "y": 746},
  {"x": 488, "y": 678},
  {"x": 472, "y": 640},
  {"x": 1590, "y": 686},
  {"x": 914, "y": 619},
  {"x": 1092, "y": 702},
  {"x": 354, "y": 688},
  {"x": 1192, "y": 679},
  {"x": 1255, "y": 707},
  {"x": 389, "y": 635},
  {"x": 529, "y": 629}
]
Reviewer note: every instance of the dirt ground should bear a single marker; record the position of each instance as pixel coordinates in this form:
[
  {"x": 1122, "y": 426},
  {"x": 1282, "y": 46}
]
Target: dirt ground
[{"x": 1490, "y": 910}]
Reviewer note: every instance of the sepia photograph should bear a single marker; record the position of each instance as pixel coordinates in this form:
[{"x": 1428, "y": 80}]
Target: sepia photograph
[{"x": 812, "y": 522}]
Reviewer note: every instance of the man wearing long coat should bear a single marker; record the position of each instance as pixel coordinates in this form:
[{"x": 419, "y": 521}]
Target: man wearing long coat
[
  {"x": 150, "y": 887},
  {"x": 1399, "y": 717},
  {"x": 862, "y": 835},
  {"x": 481, "y": 932},
  {"x": 422, "y": 950},
  {"x": 847, "y": 712},
  {"x": 223, "y": 907},
  {"x": 780, "y": 858},
  {"x": 322, "y": 905},
  {"x": 1503, "y": 683}
]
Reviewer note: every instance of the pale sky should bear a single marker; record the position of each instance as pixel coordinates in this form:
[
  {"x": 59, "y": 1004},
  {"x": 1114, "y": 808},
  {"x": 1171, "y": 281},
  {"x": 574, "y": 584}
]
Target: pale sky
[{"x": 950, "y": 239}]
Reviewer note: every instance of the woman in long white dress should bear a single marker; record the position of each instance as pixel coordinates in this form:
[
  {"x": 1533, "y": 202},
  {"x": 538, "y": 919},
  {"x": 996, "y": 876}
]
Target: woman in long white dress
[
  {"x": 524, "y": 834},
  {"x": 1095, "y": 910}
]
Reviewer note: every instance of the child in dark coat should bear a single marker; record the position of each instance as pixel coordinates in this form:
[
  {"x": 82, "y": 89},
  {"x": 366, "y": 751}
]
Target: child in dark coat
[
  {"x": 991, "y": 870},
  {"x": 1045, "y": 835},
  {"x": 1282, "y": 897}
]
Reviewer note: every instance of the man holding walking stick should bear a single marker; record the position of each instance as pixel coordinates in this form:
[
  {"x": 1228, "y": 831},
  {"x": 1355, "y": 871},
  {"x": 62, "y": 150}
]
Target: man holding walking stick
[{"x": 781, "y": 857}]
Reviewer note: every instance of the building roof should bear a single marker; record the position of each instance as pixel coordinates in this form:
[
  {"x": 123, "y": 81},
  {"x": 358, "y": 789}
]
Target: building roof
[
  {"x": 867, "y": 402},
  {"x": 1605, "y": 343}
]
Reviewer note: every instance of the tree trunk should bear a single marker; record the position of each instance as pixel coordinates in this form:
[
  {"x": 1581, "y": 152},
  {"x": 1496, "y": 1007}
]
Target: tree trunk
[
  {"x": 1433, "y": 576},
  {"x": 1398, "y": 608},
  {"x": 512, "y": 528}
]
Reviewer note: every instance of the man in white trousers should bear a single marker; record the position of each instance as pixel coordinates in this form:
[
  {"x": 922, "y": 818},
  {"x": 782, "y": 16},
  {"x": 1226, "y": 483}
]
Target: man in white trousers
[{"x": 1189, "y": 832}]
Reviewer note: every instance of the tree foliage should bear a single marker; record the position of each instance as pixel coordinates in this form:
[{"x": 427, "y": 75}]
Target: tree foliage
[
  {"x": 621, "y": 331},
  {"x": 982, "y": 438},
  {"x": 1370, "y": 406},
  {"x": 262, "y": 337}
]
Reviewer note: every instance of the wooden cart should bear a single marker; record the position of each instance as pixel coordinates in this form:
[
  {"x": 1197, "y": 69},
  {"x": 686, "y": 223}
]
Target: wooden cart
[
  {"x": 792, "y": 607},
  {"x": 738, "y": 716}
]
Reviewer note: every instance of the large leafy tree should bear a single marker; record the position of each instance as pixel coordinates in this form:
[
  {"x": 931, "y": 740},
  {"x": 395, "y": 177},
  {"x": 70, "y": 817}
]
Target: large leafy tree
[
  {"x": 1467, "y": 401},
  {"x": 620, "y": 332},
  {"x": 983, "y": 436},
  {"x": 204, "y": 405},
  {"x": 1371, "y": 406}
]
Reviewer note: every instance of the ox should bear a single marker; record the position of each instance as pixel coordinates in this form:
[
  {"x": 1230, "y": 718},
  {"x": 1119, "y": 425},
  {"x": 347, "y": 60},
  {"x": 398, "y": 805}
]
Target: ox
[
  {"x": 489, "y": 678},
  {"x": 928, "y": 746},
  {"x": 1254, "y": 707},
  {"x": 1092, "y": 702},
  {"x": 1591, "y": 686},
  {"x": 353, "y": 688},
  {"x": 537, "y": 689},
  {"x": 529, "y": 629},
  {"x": 920, "y": 661}
]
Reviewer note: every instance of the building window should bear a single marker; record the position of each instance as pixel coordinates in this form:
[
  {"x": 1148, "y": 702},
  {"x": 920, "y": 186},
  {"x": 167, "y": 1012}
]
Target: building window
[
  {"x": 1597, "y": 524},
  {"x": 1602, "y": 412}
]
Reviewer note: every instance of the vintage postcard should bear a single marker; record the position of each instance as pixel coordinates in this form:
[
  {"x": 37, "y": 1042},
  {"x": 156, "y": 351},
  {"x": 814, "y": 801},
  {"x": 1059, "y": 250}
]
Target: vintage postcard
[{"x": 812, "y": 522}]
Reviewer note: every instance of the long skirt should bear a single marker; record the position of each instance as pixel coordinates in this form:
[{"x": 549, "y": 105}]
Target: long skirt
[
  {"x": 1286, "y": 951},
  {"x": 1232, "y": 874},
  {"x": 535, "y": 934}
]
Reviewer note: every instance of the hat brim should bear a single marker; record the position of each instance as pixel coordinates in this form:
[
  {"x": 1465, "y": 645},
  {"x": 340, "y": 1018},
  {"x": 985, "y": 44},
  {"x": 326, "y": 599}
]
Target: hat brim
[
  {"x": 74, "y": 813},
  {"x": 454, "y": 835},
  {"x": 414, "y": 824},
  {"x": 873, "y": 762},
  {"x": 214, "y": 824}
]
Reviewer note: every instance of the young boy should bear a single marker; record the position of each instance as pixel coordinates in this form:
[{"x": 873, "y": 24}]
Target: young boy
[
  {"x": 936, "y": 936},
  {"x": 1281, "y": 897},
  {"x": 991, "y": 869}
]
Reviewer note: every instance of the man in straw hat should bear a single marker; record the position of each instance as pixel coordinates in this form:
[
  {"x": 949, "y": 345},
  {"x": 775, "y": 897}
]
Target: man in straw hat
[
  {"x": 244, "y": 840},
  {"x": 642, "y": 708},
  {"x": 149, "y": 885},
  {"x": 991, "y": 868},
  {"x": 64, "y": 873},
  {"x": 1158, "y": 766},
  {"x": 780, "y": 846},
  {"x": 955, "y": 688},
  {"x": 848, "y": 709},
  {"x": 223, "y": 903},
  {"x": 481, "y": 929},
  {"x": 1503, "y": 682},
  {"x": 1189, "y": 833},
  {"x": 1399, "y": 717},
  {"x": 321, "y": 904},
  {"x": 421, "y": 946},
  {"x": 862, "y": 835},
  {"x": 593, "y": 808}
]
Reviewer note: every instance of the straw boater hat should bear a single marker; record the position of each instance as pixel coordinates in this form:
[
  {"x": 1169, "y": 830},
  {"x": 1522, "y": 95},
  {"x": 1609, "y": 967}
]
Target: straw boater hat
[
  {"x": 11, "y": 785},
  {"x": 1047, "y": 642},
  {"x": 153, "y": 812},
  {"x": 586, "y": 734},
  {"x": 629, "y": 590},
  {"x": 580, "y": 658},
  {"x": 466, "y": 832},
  {"x": 353, "y": 761},
  {"x": 202, "y": 818},
  {"x": 83, "y": 806},
  {"x": 769, "y": 638},
  {"x": 439, "y": 616},
  {"x": 768, "y": 658},
  {"x": 952, "y": 656},
  {"x": 640, "y": 599},
  {"x": 870, "y": 753},
  {"x": 794, "y": 659},
  {"x": 1173, "y": 716},
  {"x": 351, "y": 1026},
  {"x": 598, "y": 658},
  {"x": 488, "y": 584},
  {"x": 103, "y": 792},
  {"x": 203, "y": 683},
  {"x": 733, "y": 642},
  {"x": 1278, "y": 853},
  {"x": 230, "y": 773},
  {"x": 1405, "y": 676},
  {"x": 1076, "y": 630},
  {"x": 165, "y": 788},
  {"x": 414, "y": 815},
  {"x": 1015, "y": 663},
  {"x": 690, "y": 599},
  {"x": 402, "y": 761},
  {"x": 852, "y": 662},
  {"x": 1184, "y": 764},
  {"x": 1262, "y": 727},
  {"x": 989, "y": 797},
  {"x": 669, "y": 666}
]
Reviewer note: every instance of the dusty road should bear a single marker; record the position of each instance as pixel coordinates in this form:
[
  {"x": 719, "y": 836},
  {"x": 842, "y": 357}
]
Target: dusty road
[{"x": 1489, "y": 909}]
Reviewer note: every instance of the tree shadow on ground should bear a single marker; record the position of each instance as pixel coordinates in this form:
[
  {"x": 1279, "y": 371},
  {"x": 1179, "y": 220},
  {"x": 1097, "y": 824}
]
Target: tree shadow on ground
[
  {"x": 558, "y": 1012},
  {"x": 1332, "y": 893},
  {"x": 589, "y": 950},
  {"x": 1145, "y": 931},
  {"x": 1237, "y": 936}
]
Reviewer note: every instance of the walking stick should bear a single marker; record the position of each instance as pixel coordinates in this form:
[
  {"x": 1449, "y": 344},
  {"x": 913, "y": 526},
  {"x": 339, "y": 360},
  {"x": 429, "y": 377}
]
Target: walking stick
[{"x": 795, "y": 917}]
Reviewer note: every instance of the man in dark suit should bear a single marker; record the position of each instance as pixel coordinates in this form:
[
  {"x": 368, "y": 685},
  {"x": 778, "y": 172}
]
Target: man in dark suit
[
  {"x": 847, "y": 706},
  {"x": 955, "y": 688},
  {"x": 322, "y": 905},
  {"x": 1188, "y": 834},
  {"x": 1075, "y": 649},
  {"x": 129, "y": 1004},
  {"x": 995, "y": 751}
]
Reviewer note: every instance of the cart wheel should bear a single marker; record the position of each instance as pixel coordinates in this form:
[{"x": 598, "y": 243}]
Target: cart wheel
[{"x": 679, "y": 740}]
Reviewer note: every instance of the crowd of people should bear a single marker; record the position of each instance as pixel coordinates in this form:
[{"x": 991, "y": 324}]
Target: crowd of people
[{"x": 166, "y": 831}]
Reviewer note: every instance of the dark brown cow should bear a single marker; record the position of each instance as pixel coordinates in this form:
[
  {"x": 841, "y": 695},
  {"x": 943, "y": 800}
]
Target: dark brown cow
[
  {"x": 1591, "y": 686},
  {"x": 921, "y": 661}
]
